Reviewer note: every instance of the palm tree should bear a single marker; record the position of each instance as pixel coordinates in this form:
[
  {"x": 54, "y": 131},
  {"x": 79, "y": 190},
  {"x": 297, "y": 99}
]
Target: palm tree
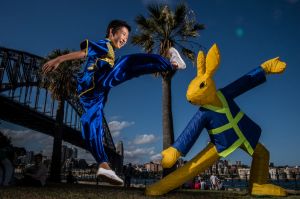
[
  {"x": 62, "y": 85},
  {"x": 161, "y": 30}
]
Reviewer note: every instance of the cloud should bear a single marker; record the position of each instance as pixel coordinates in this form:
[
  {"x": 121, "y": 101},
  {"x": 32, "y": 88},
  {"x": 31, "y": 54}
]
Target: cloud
[
  {"x": 156, "y": 157},
  {"x": 144, "y": 139},
  {"x": 138, "y": 155},
  {"x": 116, "y": 127},
  {"x": 39, "y": 142},
  {"x": 30, "y": 140}
]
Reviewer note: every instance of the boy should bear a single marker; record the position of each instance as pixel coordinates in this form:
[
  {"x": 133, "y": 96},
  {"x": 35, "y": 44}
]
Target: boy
[{"x": 100, "y": 73}]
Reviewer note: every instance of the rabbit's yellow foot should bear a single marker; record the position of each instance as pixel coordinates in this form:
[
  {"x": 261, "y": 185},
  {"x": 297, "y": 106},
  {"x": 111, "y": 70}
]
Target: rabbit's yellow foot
[
  {"x": 273, "y": 66},
  {"x": 267, "y": 189},
  {"x": 169, "y": 157}
]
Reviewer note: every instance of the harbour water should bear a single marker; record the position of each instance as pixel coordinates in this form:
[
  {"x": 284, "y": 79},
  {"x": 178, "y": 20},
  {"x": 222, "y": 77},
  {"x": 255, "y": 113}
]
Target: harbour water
[{"x": 230, "y": 183}]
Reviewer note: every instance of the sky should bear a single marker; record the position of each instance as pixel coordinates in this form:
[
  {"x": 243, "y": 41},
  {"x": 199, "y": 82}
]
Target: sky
[{"x": 247, "y": 32}]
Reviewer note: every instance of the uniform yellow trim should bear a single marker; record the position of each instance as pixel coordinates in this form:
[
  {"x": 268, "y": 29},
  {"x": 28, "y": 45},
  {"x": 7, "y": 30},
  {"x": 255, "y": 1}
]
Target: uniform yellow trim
[
  {"x": 84, "y": 92},
  {"x": 86, "y": 47},
  {"x": 91, "y": 67},
  {"x": 232, "y": 123},
  {"x": 110, "y": 56}
]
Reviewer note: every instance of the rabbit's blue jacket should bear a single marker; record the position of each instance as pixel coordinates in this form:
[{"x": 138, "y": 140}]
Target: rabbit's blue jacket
[{"x": 228, "y": 127}]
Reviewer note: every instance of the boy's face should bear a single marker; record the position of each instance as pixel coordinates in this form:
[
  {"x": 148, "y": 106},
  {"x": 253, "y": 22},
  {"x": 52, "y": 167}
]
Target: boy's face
[{"x": 120, "y": 37}]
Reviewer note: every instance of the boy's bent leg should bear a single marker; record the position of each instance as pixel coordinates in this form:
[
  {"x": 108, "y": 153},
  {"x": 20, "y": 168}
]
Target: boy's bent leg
[{"x": 92, "y": 130}]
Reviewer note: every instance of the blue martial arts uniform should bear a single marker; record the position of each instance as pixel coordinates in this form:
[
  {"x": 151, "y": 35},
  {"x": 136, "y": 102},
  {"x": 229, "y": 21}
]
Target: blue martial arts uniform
[
  {"x": 228, "y": 126},
  {"x": 99, "y": 74}
]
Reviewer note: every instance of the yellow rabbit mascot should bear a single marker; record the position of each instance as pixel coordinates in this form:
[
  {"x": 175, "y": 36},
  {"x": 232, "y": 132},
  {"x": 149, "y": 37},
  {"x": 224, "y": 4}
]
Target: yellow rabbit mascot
[{"x": 229, "y": 128}]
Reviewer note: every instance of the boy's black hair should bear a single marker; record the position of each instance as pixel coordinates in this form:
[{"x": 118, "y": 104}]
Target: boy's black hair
[{"x": 115, "y": 25}]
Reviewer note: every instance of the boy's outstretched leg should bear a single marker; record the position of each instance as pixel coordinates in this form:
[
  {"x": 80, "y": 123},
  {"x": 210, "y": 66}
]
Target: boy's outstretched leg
[
  {"x": 176, "y": 59},
  {"x": 192, "y": 168},
  {"x": 135, "y": 65}
]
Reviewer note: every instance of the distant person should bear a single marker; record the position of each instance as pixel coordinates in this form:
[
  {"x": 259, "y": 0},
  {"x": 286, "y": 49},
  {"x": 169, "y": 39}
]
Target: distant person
[
  {"x": 220, "y": 185},
  {"x": 214, "y": 182},
  {"x": 36, "y": 175},
  {"x": 203, "y": 185},
  {"x": 71, "y": 179},
  {"x": 6, "y": 161},
  {"x": 128, "y": 174},
  {"x": 198, "y": 177},
  {"x": 197, "y": 184}
]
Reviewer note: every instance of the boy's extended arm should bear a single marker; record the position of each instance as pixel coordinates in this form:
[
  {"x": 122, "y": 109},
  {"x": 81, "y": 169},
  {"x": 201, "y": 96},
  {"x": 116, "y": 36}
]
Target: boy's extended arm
[{"x": 54, "y": 63}]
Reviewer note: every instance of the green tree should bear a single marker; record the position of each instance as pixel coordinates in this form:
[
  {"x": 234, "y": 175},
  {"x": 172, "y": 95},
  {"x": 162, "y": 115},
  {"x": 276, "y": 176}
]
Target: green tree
[
  {"x": 159, "y": 31},
  {"x": 62, "y": 85}
]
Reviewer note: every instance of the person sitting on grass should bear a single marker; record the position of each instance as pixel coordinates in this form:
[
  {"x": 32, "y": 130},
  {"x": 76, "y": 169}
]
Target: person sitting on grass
[{"x": 36, "y": 175}]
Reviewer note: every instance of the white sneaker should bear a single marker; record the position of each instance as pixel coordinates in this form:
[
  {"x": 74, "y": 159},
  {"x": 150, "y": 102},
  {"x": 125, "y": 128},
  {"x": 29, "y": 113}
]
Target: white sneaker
[
  {"x": 175, "y": 57},
  {"x": 109, "y": 176}
]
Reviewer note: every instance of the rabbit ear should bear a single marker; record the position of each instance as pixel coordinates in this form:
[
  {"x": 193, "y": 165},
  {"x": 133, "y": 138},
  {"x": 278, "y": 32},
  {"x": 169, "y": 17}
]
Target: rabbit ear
[
  {"x": 212, "y": 60},
  {"x": 200, "y": 63}
]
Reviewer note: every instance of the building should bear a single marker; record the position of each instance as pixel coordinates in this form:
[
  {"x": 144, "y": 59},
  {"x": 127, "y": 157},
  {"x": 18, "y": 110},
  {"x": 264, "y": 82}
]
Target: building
[
  {"x": 273, "y": 173},
  {"x": 75, "y": 153},
  {"x": 29, "y": 157},
  {"x": 120, "y": 148},
  {"x": 244, "y": 173},
  {"x": 153, "y": 167},
  {"x": 238, "y": 163},
  {"x": 120, "y": 151}
]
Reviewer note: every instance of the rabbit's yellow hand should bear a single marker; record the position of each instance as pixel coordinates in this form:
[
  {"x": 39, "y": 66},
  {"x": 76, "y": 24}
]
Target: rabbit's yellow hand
[
  {"x": 169, "y": 157},
  {"x": 274, "y": 66}
]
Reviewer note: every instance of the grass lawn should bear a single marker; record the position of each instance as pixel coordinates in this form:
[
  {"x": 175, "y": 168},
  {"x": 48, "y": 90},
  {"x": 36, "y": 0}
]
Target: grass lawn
[{"x": 82, "y": 191}]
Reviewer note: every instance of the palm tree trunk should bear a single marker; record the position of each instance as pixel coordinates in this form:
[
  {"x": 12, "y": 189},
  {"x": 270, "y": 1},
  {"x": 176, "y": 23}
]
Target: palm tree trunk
[
  {"x": 168, "y": 131},
  {"x": 55, "y": 171}
]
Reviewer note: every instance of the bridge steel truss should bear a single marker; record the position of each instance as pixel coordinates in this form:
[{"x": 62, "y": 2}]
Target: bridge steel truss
[{"x": 25, "y": 102}]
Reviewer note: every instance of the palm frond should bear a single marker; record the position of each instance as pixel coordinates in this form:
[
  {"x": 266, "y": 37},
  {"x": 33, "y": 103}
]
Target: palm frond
[
  {"x": 61, "y": 82},
  {"x": 163, "y": 28},
  {"x": 179, "y": 15},
  {"x": 188, "y": 53},
  {"x": 144, "y": 40},
  {"x": 155, "y": 10},
  {"x": 143, "y": 23}
]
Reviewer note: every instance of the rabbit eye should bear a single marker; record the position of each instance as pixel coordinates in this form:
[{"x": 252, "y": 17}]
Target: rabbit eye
[{"x": 202, "y": 85}]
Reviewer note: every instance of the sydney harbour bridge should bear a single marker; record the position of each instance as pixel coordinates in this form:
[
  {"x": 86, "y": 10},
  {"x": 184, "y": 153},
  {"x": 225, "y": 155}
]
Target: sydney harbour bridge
[{"x": 25, "y": 102}]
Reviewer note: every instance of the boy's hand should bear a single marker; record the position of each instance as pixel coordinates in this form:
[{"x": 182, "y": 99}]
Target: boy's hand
[
  {"x": 274, "y": 66},
  {"x": 50, "y": 65}
]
